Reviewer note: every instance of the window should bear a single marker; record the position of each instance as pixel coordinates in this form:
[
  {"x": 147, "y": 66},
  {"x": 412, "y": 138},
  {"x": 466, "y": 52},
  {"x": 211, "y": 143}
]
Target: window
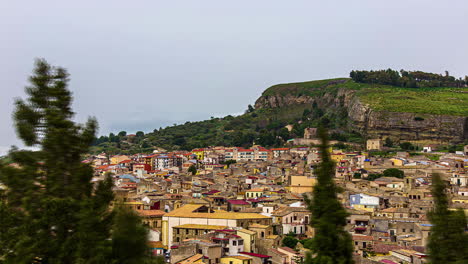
[
  {"x": 241, "y": 242},
  {"x": 411, "y": 230},
  {"x": 186, "y": 231},
  {"x": 178, "y": 231},
  {"x": 230, "y": 262},
  {"x": 234, "y": 243},
  {"x": 404, "y": 230}
]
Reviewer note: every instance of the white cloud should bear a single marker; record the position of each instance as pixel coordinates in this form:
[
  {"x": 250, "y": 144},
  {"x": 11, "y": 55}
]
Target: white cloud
[{"x": 4, "y": 150}]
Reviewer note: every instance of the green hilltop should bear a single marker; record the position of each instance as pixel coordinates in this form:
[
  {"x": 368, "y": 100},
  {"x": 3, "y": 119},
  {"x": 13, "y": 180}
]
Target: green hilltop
[{"x": 426, "y": 100}]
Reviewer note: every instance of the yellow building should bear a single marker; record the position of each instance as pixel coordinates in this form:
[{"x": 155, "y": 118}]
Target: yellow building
[
  {"x": 460, "y": 199},
  {"x": 301, "y": 183},
  {"x": 361, "y": 207},
  {"x": 250, "y": 239},
  {"x": 236, "y": 260},
  {"x": 199, "y": 214},
  {"x": 374, "y": 144},
  {"x": 200, "y": 153},
  {"x": 118, "y": 158},
  {"x": 253, "y": 193},
  {"x": 188, "y": 231},
  {"x": 337, "y": 157},
  {"x": 134, "y": 205},
  {"x": 397, "y": 162}
]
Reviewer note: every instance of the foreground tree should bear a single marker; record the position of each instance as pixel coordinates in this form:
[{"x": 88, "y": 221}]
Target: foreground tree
[
  {"x": 448, "y": 242},
  {"x": 129, "y": 238},
  {"x": 51, "y": 212},
  {"x": 331, "y": 244}
]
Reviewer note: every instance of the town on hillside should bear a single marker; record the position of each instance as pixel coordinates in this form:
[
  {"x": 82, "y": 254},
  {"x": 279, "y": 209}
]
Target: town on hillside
[{"x": 235, "y": 205}]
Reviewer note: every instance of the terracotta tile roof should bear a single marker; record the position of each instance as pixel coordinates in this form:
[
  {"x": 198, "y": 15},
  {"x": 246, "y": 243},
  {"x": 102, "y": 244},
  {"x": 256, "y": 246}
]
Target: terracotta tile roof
[
  {"x": 384, "y": 248},
  {"x": 363, "y": 238},
  {"x": 195, "y": 226},
  {"x": 274, "y": 250},
  {"x": 239, "y": 257},
  {"x": 255, "y": 225},
  {"x": 255, "y": 255},
  {"x": 156, "y": 244},
  {"x": 188, "y": 212},
  {"x": 191, "y": 259},
  {"x": 238, "y": 202},
  {"x": 255, "y": 190},
  {"x": 151, "y": 212}
]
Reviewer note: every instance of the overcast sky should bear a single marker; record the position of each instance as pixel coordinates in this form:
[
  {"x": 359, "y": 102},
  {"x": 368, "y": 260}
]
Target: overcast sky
[{"x": 140, "y": 65}]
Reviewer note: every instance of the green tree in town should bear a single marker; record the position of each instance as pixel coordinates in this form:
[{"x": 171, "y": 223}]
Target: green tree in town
[
  {"x": 290, "y": 241},
  {"x": 129, "y": 238},
  {"x": 192, "y": 169},
  {"x": 331, "y": 244},
  {"x": 393, "y": 172},
  {"x": 448, "y": 240},
  {"x": 388, "y": 142}
]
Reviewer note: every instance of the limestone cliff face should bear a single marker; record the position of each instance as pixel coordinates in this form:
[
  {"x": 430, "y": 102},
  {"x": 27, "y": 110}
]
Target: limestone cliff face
[{"x": 373, "y": 124}]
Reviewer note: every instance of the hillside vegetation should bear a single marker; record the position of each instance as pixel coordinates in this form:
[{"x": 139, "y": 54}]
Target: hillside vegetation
[
  {"x": 267, "y": 125},
  {"x": 428, "y": 100}
]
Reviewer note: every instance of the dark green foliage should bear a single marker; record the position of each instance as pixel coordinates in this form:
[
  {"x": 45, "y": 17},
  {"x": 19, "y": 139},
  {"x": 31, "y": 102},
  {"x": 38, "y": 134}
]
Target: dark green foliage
[
  {"x": 264, "y": 126},
  {"x": 331, "y": 244},
  {"x": 404, "y": 78},
  {"x": 373, "y": 176},
  {"x": 407, "y": 146},
  {"x": 290, "y": 241},
  {"x": 122, "y": 133},
  {"x": 192, "y": 169},
  {"x": 357, "y": 175},
  {"x": 455, "y": 148},
  {"x": 140, "y": 134},
  {"x": 51, "y": 212},
  {"x": 129, "y": 238},
  {"x": 388, "y": 142},
  {"x": 229, "y": 162},
  {"x": 418, "y": 118},
  {"x": 448, "y": 240},
  {"x": 394, "y": 173}
]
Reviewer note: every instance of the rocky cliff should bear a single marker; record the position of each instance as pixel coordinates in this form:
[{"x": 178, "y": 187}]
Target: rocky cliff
[{"x": 400, "y": 126}]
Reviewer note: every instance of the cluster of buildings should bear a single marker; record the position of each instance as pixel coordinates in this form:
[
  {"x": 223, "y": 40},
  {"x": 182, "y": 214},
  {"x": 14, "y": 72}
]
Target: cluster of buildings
[{"x": 239, "y": 213}]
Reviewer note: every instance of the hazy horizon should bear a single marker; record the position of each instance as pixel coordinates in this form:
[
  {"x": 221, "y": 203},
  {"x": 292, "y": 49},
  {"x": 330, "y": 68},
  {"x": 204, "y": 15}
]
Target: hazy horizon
[{"x": 141, "y": 66}]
